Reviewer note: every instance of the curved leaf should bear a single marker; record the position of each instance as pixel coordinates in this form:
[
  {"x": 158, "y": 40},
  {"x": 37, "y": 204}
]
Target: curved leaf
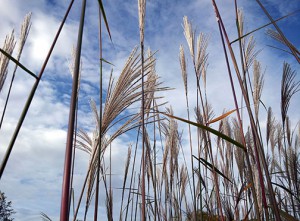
[
  {"x": 213, "y": 131},
  {"x": 286, "y": 189},
  {"x": 104, "y": 17},
  {"x": 211, "y": 167}
]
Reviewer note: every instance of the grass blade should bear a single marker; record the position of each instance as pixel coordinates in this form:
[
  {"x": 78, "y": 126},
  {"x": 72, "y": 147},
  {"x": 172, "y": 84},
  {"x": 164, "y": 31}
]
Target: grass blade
[
  {"x": 18, "y": 63},
  {"x": 213, "y": 131},
  {"x": 286, "y": 189},
  {"x": 104, "y": 17},
  {"x": 102, "y": 59},
  {"x": 211, "y": 167},
  {"x": 287, "y": 216}
]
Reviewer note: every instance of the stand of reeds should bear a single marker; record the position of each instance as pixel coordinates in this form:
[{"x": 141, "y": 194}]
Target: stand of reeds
[{"x": 231, "y": 172}]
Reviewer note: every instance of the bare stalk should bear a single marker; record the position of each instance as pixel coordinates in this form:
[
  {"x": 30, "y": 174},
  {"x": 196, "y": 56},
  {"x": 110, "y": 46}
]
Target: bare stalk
[
  {"x": 100, "y": 121},
  {"x": 64, "y": 213},
  {"x": 142, "y": 11}
]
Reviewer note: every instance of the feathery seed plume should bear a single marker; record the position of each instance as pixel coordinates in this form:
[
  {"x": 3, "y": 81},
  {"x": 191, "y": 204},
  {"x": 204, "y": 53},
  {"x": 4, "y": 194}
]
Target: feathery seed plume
[
  {"x": 142, "y": 13},
  {"x": 183, "y": 67},
  {"x": 189, "y": 36},
  {"x": 9, "y": 45}
]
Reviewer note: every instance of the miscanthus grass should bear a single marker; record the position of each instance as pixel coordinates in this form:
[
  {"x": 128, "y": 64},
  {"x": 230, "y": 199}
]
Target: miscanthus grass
[
  {"x": 25, "y": 28},
  {"x": 8, "y": 46},
  {"x": 232, "y": 167}
]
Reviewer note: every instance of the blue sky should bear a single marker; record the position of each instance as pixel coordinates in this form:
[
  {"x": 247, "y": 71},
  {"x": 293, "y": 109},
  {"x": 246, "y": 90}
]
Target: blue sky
[{"x": 32, "y": 179}]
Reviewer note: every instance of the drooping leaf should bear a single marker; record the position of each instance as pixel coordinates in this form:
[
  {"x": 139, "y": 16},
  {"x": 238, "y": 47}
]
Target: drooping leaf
[
  {"x": 200, "y": 177},
  {"x": 45, "y": 217},
  {"x": 213, "y": 131},
  {"x": 263, "y": 105},
  {"x": 104, "y": 17},
  {"x": 286, "y": 189},
  {"x": 211, "y": 167}
]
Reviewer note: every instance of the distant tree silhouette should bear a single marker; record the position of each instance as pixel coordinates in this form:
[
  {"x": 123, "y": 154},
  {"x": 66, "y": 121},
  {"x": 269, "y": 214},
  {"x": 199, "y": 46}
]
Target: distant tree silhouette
[{"x": 6, "y": 211}]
